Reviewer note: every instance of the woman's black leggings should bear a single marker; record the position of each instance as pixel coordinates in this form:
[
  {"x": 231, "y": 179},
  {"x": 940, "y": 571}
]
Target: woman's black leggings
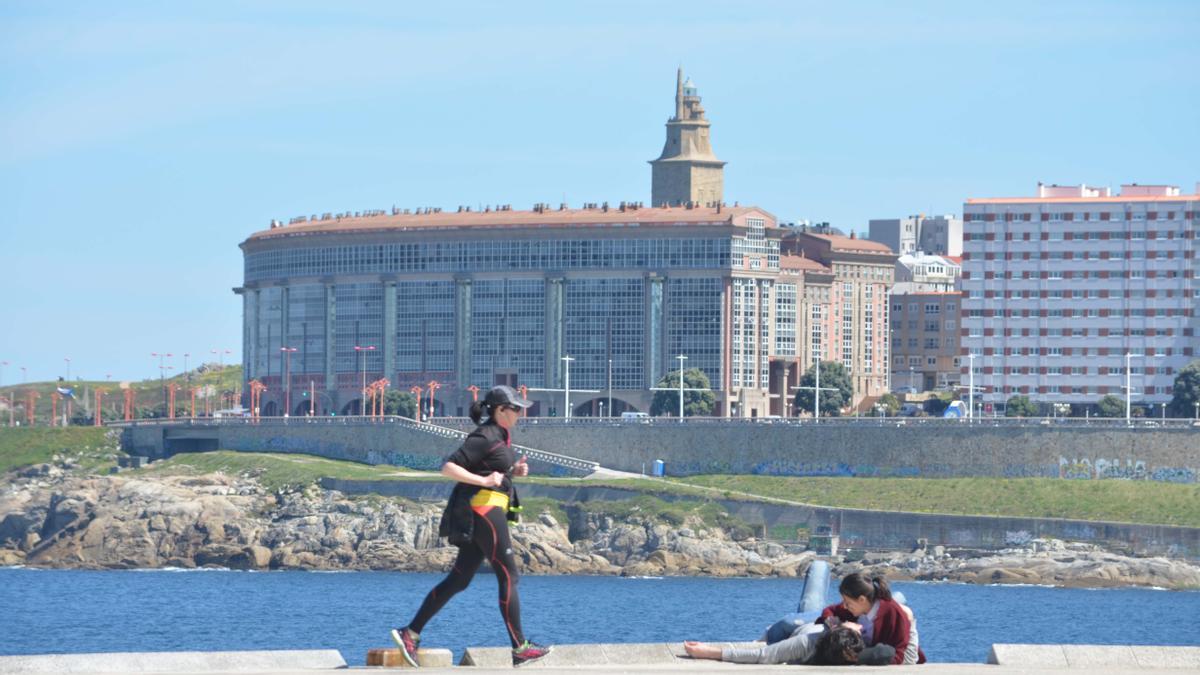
[{"x": 490, "y": 542}]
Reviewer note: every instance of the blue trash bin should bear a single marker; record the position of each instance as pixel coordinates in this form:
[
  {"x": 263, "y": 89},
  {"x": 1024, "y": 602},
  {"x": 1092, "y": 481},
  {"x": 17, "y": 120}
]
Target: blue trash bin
[{"x": 658, "y": 468}]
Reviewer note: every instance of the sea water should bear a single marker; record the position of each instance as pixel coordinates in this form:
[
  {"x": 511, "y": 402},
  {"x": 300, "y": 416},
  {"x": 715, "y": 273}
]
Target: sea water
[{"x": 56, "y": 611}]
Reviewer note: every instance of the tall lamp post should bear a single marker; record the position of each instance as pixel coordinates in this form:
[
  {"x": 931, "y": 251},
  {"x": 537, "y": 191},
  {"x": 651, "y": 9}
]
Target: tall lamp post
[
  {"x": 361, "y": 349},
  {"x": 287, "y": 379},
  {"x": 971, "y": 386},
  {"x": 681, "y": 358},
  {"x": 567, "y": 385},
  {"x": 1128, "y": 389},
  {"x": 68, "y": 360}
]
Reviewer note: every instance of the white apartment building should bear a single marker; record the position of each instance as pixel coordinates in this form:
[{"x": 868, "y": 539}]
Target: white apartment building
[
  {"x": 926, "y": 273},
  {"x": 1058, "y": 288}
]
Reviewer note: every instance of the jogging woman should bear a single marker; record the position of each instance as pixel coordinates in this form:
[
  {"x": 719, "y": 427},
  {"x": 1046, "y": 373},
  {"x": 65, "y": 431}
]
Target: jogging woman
[{"x": 476, "y": 520}]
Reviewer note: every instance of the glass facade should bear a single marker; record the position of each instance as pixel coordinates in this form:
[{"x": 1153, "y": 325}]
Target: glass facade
[
  {"x": 358, "y": 321},
  {"x": 425, "y": 326},
  {"x": 306, "y": 327},
  {"x": 605, "y": 318},
  {"x": 693, "y": 317},
  {"x": 494, "y": 255},
  {"x": 268, "y": 361},
  {"x": 508, "y": 319}
]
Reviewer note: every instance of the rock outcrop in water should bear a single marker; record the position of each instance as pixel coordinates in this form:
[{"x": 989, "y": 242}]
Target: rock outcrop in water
[{"x": 52, "y": 516}]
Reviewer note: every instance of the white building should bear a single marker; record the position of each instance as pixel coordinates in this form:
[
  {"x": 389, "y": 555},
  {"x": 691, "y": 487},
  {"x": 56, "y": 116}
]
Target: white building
[
  {"x": 925, "y": 273},
  {"x": 1058, "y": 288},
  {"x": 932, "y": 234}
]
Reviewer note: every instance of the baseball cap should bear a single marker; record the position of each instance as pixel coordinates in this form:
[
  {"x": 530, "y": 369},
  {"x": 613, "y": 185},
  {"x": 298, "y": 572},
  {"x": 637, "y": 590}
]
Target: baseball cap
[{"x": 504, "y": 395}]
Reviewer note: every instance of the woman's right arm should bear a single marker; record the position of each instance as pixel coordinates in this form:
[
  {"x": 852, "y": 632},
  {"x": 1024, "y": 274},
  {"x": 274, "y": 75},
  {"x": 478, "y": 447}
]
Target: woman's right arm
[{"x": 455, "y": 472}]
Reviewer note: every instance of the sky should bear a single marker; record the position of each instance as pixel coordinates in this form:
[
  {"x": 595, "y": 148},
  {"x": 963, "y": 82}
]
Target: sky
[{"x": 140, "y": 143}]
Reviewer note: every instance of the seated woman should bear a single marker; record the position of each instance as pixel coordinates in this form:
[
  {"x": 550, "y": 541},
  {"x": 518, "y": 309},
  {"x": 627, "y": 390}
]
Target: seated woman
[
  {"x": 869, "y": 603},
  {"x": 810, "y": 644}
]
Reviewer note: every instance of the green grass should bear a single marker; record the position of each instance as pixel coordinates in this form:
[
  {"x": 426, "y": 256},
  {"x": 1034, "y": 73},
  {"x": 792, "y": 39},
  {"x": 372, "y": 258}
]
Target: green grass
[
  {"x": 1111, "y": 500},
  {"x": 85, "y": 445},
  {"x": 147, "y": 393},
  {"x": 275, "y": 470}
]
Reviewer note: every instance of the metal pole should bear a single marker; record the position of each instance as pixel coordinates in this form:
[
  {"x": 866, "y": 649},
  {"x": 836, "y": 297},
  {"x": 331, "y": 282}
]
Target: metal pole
[
  {"x": 609, "y": 387},
  {"x": 1128, "y": 391},
  {"x": 312, "y": 398},
  {"x": 681, "y": 358},
  {"x": 971, "y": 384},
  {"x": 567, "y": 386},
  {"x": 817, "y": 393}
]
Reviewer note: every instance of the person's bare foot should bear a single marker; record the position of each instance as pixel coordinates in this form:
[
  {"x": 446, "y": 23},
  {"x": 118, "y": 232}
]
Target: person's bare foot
[{"x": 702, "y": 650}]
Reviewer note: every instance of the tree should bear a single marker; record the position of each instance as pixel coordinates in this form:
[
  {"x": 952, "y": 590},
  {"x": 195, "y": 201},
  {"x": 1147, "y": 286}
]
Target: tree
[
  {"x": 1020, "y": 406},
  {"x": 402, "y": 403},
  {"x": 834, "y": 376},
  {"x": 1187, "y": 391},
  {"x": 1110, "y": 406},
  {"x": 890, "y": 403},
  {"x": 936, "y": 405},
  {"x": 694, "y": 402}
]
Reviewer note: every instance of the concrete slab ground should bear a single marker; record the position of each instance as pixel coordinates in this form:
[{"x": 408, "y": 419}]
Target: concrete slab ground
[{"x": 141, "y": 663}]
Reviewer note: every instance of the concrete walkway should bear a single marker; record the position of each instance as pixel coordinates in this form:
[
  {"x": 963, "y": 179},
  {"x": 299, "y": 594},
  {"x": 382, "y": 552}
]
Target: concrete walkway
[{"x": 645, "y": 658}]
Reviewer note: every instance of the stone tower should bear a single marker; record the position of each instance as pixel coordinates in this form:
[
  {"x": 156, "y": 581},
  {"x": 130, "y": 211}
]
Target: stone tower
[{"x": 687, "y": 170}]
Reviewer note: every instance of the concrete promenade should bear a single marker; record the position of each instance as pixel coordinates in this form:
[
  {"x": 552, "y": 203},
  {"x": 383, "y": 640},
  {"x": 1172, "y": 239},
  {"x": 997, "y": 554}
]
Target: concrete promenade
[{"x": 595, "y": 658}]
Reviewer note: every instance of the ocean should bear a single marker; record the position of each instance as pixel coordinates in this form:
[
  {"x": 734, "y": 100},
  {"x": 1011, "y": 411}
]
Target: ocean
[{"x": 56, "y": 611}]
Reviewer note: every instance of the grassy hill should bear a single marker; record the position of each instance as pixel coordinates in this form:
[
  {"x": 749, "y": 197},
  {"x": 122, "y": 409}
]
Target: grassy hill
[
  {"x": 89, "y": 446},
  {"x": 148, "y": 394}
]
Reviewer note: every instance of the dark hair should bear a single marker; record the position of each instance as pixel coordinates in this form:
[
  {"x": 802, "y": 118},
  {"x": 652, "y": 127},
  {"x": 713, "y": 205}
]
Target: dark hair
[
  {"x": 839, "y": 647},
  {"x": 858, "y": 584},
  {"x": 478, "y": 410}
]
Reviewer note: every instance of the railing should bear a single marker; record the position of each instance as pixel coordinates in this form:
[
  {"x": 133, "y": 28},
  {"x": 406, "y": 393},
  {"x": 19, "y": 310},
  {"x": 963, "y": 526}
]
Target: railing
[
  {"x": 463, "y": 422},
  {"x": 353, "y": 420}
]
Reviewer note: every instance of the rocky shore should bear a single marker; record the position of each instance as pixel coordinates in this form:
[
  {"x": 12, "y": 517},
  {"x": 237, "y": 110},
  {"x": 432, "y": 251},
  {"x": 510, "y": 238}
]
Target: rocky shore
[{"x": 54, "y": 516}]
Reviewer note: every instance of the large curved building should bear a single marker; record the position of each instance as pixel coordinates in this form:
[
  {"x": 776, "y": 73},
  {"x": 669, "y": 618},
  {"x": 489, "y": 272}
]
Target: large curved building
[{"x": 612, "y": 294}]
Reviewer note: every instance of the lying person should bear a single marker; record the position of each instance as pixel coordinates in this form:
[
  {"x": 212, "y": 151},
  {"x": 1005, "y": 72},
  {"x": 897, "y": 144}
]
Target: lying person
[
  {"x": 869, "y": 603},
  {"x": 810, "y": 644}
]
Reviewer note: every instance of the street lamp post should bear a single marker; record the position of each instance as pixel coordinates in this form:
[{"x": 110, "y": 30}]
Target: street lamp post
[
  {"x": 609, "y": 389},
  {"x": 363, "y": 367},
  {"x": 971, "y": 384},
  {"x": 68, "y": 360},
  {"x": 162, "y": 383},
  {"x": 567, "y": 385},
  {"x": 1128, "y": 389},
  {"x": 681, "y": 358},
  {"x": 287, "y": 379}
]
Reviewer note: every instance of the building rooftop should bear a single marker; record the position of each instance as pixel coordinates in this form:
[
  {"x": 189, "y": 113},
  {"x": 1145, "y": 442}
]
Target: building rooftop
[
  {"x": 839, "y": 243},
  {"x": 802, "y": 263},
  {"x": 622, "y": 215},
  {"x": 1132, "y": 192}
]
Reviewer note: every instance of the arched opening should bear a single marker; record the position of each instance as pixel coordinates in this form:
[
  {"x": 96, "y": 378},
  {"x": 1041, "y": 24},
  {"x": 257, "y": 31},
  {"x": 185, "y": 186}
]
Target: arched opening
[
  {"x": 439, "y": 408},
  {"x": 302, "y": 409},
  {"x": 353, "y": 407},
  {"x": 598, "y": 407},
  {"x": 271, "y": 409}
]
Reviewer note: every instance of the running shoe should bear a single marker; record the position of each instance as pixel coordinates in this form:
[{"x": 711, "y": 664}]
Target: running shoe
[
  {"x": 529, "y": 651},
  {"x": 407, "y": 642}
]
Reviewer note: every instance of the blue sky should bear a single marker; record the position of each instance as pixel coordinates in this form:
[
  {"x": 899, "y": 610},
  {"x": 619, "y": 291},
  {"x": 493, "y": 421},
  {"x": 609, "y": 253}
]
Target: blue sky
[{"x": 141, "y": 142}]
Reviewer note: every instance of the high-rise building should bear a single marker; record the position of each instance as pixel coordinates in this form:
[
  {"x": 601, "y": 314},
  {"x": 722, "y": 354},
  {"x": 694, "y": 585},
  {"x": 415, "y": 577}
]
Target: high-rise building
[
  {"x": 1059, "y": 288},
  {"x": 853, "y": 325},
  {"x": 687, "y": 171},
  {"x": 940, "y": 235},
  {"x": 925, "y": 339}
]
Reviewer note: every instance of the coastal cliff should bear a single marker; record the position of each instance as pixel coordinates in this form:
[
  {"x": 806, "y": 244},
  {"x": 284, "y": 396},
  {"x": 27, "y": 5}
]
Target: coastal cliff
[{"x": 52, "y": 515}]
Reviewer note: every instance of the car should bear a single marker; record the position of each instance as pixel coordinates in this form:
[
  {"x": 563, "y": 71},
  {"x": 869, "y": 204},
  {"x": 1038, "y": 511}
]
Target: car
[
  {"x": 905, "y": 390},
  {"x": 635, "y": 417}
]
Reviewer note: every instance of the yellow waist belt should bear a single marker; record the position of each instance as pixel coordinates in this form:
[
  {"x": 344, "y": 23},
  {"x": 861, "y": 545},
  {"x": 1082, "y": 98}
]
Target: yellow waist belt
[{"x": 490, "y": 498}]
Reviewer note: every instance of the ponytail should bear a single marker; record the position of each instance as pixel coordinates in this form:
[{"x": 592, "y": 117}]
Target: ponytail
[
  {"x": 882, "y": 590},
  {"x": 859, "y": 585},
  {"x": 479, "y": 412}
]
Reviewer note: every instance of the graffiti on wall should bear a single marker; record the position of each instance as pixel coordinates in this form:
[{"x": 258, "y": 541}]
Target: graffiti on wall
[{"x": 1100, "y": 468}]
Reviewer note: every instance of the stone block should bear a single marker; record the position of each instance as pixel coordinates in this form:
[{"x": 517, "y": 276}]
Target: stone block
[
  {"x": 636, "y": 654},
  {"x": 130, "y": 663},
  {"x": 487, "y": 657},
  {"x": 1167, "y": 657},
  {"x": 426, "y": 658},
  {"x": 1043, "y": 656},
  {"x": 1099, "y": 656}
]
